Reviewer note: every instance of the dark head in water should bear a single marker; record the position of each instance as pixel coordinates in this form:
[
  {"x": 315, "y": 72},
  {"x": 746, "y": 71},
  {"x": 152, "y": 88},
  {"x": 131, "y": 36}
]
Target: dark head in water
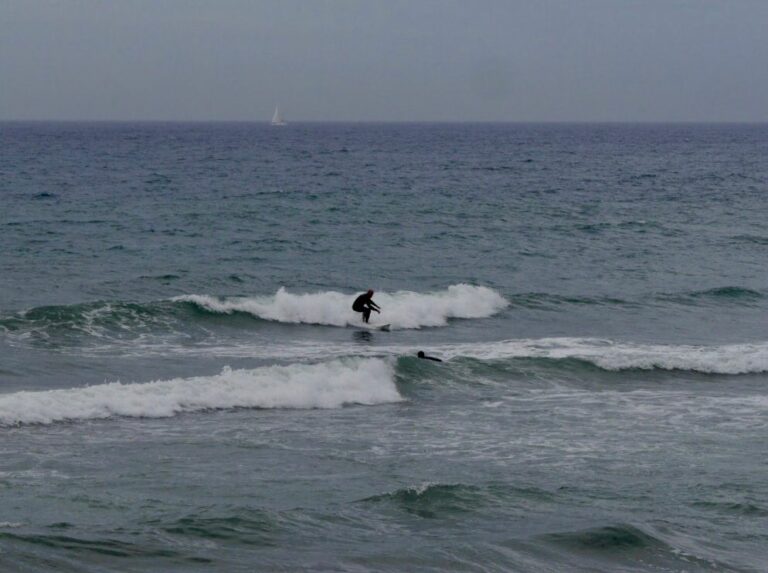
[{"x": 421, "y": 354}]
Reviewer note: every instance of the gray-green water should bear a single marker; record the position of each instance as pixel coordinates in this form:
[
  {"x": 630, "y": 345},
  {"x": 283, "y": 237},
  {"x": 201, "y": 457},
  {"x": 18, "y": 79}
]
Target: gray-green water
[{"x": 184, "y": 388}]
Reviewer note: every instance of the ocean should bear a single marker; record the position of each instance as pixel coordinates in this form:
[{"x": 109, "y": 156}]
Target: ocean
[{"x": 184, "y": 386}]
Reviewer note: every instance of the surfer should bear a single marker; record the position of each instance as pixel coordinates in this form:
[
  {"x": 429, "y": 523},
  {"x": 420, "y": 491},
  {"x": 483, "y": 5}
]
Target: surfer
[
  {"x": 421, "y": 354},
  {"x": 364, "y": 303}
]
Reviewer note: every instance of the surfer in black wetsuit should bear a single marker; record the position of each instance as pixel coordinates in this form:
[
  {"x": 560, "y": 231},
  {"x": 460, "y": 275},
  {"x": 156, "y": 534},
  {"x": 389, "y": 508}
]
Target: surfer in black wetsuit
[
  {"x": 421, "y": 354},
  {"x": 365, "y": 304}
]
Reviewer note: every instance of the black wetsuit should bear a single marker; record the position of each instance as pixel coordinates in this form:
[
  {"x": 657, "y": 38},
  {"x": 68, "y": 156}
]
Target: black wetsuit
[{"x": 364, "y": 304}]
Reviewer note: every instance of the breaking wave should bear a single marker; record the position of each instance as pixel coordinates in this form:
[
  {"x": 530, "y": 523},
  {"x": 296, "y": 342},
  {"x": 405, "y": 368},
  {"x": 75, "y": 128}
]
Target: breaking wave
[
  {"x": 557, "y": 353},
  {"x": 325, "y": 385},
  {"x": 193, "y": 313},
  {"x": 615, "y": 356},
  {"x": 401, "y": 309},
  {"x": 183, "y": 314},
  {"x": 430, "y": 500}
]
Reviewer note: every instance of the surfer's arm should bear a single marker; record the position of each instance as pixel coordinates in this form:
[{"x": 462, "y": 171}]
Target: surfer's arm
[{"x": 374, "y": 306}]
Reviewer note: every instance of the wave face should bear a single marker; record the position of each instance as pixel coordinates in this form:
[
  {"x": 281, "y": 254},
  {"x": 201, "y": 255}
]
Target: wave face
[
  {"x": 325, "y": 385},
  {"x": 615, "y": 356},
  {"x": 401, "y": 309},
  {"x": 608, "y": 538},
  {"x": 432, "y": 500},
  {"x": 721, "y": 295}
]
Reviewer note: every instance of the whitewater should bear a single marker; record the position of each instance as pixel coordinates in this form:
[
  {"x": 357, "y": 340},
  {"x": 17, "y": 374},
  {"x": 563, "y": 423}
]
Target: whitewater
[
  {"x": 326, "y": 385},
  {"x": 401, "y": 309}
]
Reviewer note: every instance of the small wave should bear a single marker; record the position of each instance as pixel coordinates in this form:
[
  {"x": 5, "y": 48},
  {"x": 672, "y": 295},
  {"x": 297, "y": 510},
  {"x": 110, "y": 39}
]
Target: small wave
[
  {"x": 609, "y": 538},
  {"x": 543, "y": 300},
  {"x": 430, "y": 500},
  {"x": 592, "y": 228},
  {"x": 426, "y": 491},
  {"x": 102, "y": 547},
  {"x": 323, "y": 385},
  {"x": 401, "y": 309},
  {"x": 165, "y": 277},
  {"x": 616, "y": 356},
  {"x": 719, "y": 295},
  {"x": 254, "y": 527},
  {"x": 96, "y": 319},
  {"x": 728, "y": 294},
  {"x": 753, "y": 239},
  {"x": 732, "y": 508},
  {"x": 624, "y": 543}
]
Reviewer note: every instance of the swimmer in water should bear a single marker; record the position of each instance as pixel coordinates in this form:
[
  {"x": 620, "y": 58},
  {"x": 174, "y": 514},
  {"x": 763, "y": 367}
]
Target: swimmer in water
[{"x": 425, "y": 357}]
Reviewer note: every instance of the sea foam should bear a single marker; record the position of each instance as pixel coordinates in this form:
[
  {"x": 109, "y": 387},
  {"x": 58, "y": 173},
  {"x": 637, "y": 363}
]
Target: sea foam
[
  {"x": 401, "y": 309},
  {"x": 324, "y": 385}
]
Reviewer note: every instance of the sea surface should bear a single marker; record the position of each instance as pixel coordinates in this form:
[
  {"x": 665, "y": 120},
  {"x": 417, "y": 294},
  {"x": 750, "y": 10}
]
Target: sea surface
[{"x": 184, "y": 386}]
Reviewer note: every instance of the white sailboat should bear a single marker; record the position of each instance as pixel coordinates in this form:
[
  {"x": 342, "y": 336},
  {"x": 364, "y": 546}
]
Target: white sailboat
[{"x": 277, "y": 119}]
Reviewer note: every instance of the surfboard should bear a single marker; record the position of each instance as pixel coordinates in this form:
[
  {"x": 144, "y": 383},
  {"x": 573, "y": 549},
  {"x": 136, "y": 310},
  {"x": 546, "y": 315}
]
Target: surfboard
[{"x": 383, "y": 327}]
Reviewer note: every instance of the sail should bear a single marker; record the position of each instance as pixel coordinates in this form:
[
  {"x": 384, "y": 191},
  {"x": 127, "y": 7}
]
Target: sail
[{"x": 277, "y": 119}]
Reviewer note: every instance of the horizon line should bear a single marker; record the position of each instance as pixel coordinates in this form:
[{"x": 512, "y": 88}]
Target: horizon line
[{"x": 406, "y": 121}]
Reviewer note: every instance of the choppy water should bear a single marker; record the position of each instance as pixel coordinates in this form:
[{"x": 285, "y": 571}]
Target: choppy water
[{"x": 183, "y": 386}]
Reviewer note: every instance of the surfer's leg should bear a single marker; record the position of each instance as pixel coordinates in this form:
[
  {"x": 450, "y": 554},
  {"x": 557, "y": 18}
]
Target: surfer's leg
[{"x": 366, "y": 314}]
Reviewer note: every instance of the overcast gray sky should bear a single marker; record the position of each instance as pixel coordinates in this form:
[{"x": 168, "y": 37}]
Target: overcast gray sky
[{"x": 401, "y": 60}]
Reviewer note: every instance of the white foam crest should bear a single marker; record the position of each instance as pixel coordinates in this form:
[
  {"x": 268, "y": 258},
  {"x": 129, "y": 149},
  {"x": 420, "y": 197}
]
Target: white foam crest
[
  {"x": 401, "y": 309},
  {"x": 324, "y": 385},
  {"x": 727, "y": 359}
]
